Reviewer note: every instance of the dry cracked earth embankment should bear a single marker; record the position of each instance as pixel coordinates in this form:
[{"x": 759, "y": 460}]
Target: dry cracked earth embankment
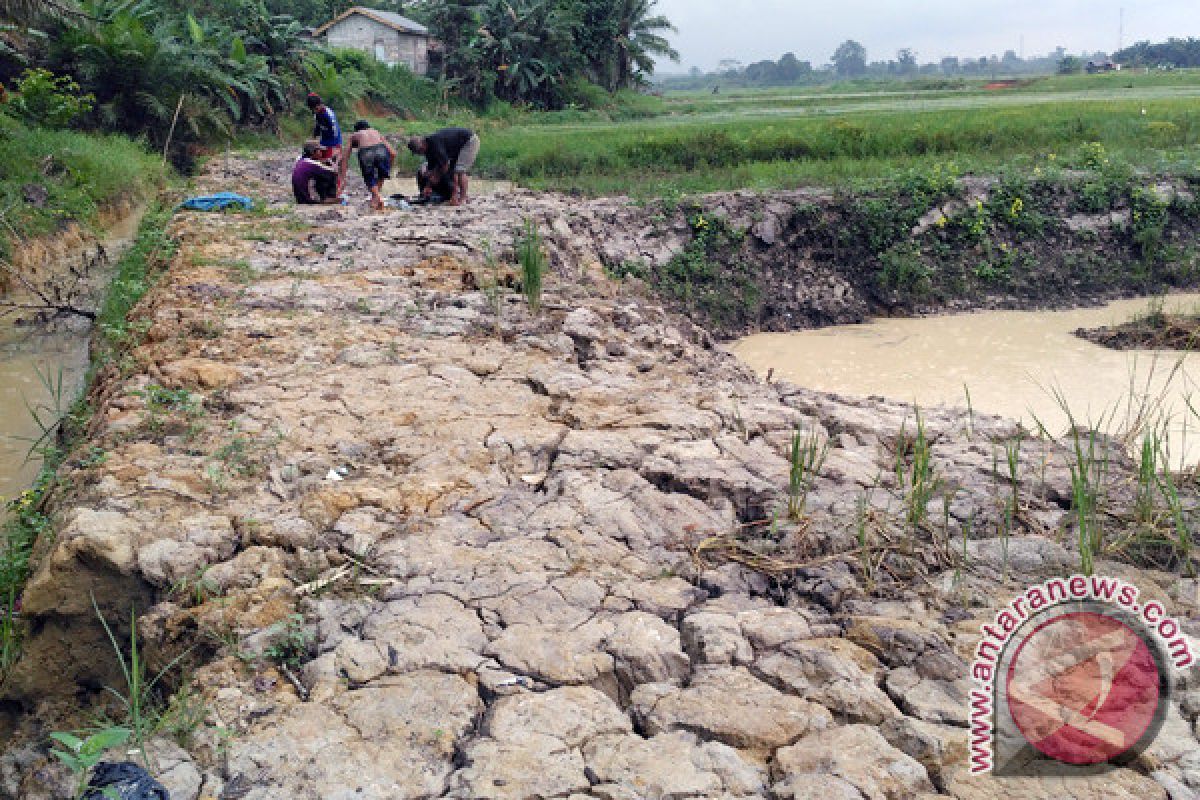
[{"x": 509, "y": 538}]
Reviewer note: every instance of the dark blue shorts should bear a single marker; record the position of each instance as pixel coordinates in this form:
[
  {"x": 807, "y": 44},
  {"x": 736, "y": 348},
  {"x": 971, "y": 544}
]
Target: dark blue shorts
[{"x": 376, "y": 165}]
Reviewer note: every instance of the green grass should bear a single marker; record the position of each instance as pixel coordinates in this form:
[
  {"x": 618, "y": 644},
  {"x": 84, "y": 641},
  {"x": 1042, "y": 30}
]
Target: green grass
[
  {"x": 82, "y": 173},
  {"x": 780, "y": 138},
  {"x": 699, "y": 154},
  {"x": 829, "y": 135}
]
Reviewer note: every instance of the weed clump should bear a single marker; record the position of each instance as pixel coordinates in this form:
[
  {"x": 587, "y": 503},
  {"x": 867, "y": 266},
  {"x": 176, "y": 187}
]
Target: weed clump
[{"x": 531, "y": 255}]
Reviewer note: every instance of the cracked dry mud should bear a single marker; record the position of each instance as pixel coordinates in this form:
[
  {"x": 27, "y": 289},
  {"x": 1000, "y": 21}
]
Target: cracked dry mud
[{"x": 499, "y": 532}]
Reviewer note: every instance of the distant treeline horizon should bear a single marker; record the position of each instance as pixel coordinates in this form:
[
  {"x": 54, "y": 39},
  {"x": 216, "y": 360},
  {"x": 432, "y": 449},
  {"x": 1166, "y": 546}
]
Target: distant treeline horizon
[{"x": 850, "y": 61}]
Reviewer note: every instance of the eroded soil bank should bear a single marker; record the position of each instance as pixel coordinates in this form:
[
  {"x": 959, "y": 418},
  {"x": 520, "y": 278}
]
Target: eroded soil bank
[
  {"x": 418, "y": 542},
  {"x": 924, "y": 244}
]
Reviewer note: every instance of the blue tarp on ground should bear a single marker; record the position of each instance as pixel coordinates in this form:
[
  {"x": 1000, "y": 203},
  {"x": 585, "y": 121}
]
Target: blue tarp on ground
[{"x": 217, "y": 202}]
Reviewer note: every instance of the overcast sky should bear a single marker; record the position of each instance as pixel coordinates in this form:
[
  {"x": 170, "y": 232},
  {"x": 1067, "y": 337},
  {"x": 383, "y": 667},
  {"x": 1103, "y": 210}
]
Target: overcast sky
[{"x": 752, "y": 30}]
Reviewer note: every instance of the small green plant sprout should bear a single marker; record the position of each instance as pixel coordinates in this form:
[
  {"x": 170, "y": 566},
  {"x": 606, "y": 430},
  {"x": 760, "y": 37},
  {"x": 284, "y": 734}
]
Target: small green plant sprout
[
  {"x": 970, "y": 413},
  {"x": 808, "y": 452},
  {"x": 184, "y": 715},
  {"x": 1144, "y": 505},
  {"x": 531, "y": 255},
  {"x": 162, "y": 406},
  {"x": 1088, "y": 467},
  {"x": 49, "y": 415},
  {"x": 862, "y": 536},
  {"x": 1086, "y": 472},
  {"x": 915, "y": 473},
  {"x": 137, "y": 699},
  {"x": 1012, "y": 507},
  {"x": 491, "y": 285},
  {"x": 1155, "y": 315},
  {"x": 195, "y": 590},
  {"x": 1182, "y": 532},
  {"x": 293, "y": 643},
  {"x": 964, "y": 562},
  {"x": 81, "y": 755}
]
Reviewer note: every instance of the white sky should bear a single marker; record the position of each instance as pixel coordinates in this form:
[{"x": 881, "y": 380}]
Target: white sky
[{"x": 752, "y": 30}]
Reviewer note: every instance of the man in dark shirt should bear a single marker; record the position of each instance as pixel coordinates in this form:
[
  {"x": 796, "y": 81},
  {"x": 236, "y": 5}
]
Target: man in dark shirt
[
  {"x": 312, "y": 181},
  {"x": 450, "y": 151}
]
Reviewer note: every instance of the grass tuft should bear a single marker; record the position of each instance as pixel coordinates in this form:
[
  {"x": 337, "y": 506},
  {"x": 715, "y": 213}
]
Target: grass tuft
[{"x": 531, "y": 255}]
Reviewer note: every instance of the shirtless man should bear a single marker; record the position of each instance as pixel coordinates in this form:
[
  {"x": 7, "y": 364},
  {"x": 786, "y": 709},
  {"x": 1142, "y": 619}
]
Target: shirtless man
[{"x": 375, "y": 158}]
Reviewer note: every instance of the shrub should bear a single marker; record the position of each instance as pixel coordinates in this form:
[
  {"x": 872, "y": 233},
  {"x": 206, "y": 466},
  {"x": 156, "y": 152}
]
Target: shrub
[
  {"x": 583, "y": 94},
  {"x": 49, "y": 100},
  {"x": 1148, "y": 221},
  {"x": 903, "y": 270}
]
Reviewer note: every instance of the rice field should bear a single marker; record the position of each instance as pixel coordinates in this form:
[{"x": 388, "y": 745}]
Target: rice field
[{"x": 691, "y": 142}]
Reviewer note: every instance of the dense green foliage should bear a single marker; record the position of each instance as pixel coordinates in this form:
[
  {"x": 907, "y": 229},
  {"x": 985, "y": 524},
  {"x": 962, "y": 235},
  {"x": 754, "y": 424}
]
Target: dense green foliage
[
  {"x": 184, "y": 74},
  {"x": 539, "y": 52},
  {"x": 167, "y": 76}
]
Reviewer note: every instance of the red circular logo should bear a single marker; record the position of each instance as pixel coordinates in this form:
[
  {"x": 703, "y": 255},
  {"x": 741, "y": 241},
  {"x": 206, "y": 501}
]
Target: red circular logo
[{"x": 1083, "y": 688}]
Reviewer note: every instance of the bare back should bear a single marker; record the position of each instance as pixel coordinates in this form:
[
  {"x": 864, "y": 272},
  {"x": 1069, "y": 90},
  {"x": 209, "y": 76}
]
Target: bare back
[{"x": 368, "y": 138}]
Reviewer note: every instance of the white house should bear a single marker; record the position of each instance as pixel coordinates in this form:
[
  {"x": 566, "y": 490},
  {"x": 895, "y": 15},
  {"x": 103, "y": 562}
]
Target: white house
[{"x": 391, "y": 38}]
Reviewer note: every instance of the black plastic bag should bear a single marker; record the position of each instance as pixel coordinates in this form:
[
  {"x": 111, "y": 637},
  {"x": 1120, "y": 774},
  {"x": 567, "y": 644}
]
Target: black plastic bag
[{"x": 126, "y": 780}]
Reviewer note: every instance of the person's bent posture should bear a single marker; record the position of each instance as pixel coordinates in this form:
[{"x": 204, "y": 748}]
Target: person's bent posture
[
  {"x": 436, "y": 194},
  {"x": 314, "y": 182},
  {"x": 450, "y": 151},
  {"x": 375, "y": 157}
]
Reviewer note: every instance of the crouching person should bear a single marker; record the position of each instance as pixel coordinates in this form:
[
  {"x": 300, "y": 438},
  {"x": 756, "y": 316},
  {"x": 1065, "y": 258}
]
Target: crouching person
[
  {"x": 439, "y": 193},
  {"x": 313, "y": 181}
]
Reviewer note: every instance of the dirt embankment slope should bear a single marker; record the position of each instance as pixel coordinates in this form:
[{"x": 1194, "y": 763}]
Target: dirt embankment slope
[
  {"x": 419, "y": 542},
  {"x": 745, "y": 262}
]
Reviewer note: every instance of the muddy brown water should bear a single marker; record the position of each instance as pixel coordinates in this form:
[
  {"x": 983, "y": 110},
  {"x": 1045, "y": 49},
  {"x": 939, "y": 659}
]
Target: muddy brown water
[
  {"x": 27, "y": 364},
  {"x": 1014, "y": 363},
  {"x": 43, "y": 368}
]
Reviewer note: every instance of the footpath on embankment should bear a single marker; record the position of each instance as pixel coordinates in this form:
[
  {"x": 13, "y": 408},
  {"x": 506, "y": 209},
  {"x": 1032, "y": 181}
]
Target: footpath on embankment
[{"x": 414, "y": 540}]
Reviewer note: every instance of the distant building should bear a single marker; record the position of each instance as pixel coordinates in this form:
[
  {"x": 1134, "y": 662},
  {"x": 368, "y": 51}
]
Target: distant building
[
  {"x": 391, "y": 38},
  {"x": 1102, "y": 66}
]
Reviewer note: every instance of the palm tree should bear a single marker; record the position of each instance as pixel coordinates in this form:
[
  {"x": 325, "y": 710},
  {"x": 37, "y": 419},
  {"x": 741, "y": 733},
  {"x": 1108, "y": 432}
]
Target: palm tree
[
  {"x": 148, "y": 74},
  {"x": 25, "y": 11},
  {"x": 638, "y": 40},
  {"x": 530, "y": 43}
]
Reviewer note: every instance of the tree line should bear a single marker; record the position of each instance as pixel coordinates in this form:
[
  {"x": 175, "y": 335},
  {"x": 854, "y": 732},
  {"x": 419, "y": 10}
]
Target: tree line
[
  {"x": 851, "y": 61},
  {"x": 189, "y": 71},
  {"x": 1171, "y": 53}
]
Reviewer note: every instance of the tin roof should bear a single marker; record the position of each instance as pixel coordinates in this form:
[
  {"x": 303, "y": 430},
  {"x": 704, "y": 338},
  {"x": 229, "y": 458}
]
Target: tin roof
[{"x": 388, "y": 18}]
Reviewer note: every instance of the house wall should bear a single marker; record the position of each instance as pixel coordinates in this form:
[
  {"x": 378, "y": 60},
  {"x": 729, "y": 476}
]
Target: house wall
[{"x": 363, "y": 33}]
